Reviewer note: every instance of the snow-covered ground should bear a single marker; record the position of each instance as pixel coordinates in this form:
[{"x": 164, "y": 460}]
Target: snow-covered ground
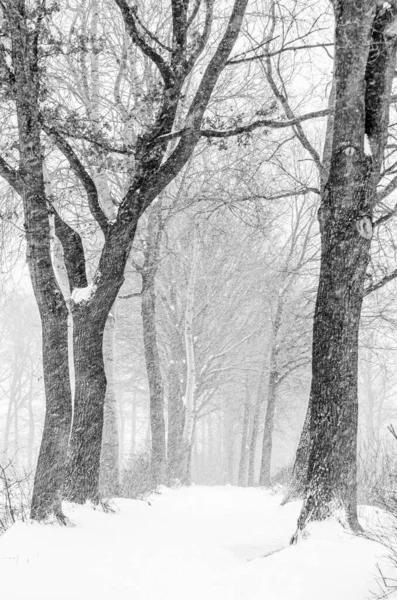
[{"x": 200, "y": 543}]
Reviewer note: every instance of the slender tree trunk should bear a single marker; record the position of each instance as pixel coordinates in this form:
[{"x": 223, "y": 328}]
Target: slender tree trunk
[
  {"x": 253, "y": 441},
  {"x": 156, "y": 389},
  {"x": 190, "y": 363},
  {"x": 152, "y": 357},
  {"x": 229, "y": 449},
  {"x": 176, "y": 410},
  {"x": 31, "y": 424},
  {"x": 265, "y": 472},
  {"x": 242, "y": 469},
  {"x": 133, "y": 428},
  {"x": 109, "y": 467}
]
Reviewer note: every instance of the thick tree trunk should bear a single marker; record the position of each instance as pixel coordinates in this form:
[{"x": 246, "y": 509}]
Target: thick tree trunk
[
  {"x": 50, "y": 471},
  {"x": 86, "y": 440},
  {"x": 363, "y": 71},
  {"x": 47, "y": 490}
]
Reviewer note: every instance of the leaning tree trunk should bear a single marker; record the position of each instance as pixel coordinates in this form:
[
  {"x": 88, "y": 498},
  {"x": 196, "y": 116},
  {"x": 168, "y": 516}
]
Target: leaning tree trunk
[{"x": 363, "y": 71}]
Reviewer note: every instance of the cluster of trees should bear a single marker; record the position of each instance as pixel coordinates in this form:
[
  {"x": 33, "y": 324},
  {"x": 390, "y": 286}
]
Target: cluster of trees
[{"x": 170, "y": 158}]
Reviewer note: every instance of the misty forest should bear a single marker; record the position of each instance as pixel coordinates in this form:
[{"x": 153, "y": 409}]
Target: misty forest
[{"x": 198, "y": 299}]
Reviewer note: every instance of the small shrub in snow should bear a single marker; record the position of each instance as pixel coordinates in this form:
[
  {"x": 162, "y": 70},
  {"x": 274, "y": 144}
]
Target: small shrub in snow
[
  {"x": 15, "y": 491},
  {"x": 136, "y": 480}
]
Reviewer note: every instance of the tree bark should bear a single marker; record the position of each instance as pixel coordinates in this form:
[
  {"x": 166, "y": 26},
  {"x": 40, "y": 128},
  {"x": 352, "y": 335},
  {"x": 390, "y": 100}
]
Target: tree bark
[
  {"x": 264, "y": 476},
  {"x": 188, "y": 429},
  {"x": 265, "y": 472},
  {"x": 242, "y": 468},
  {"x": 156, "y": 389},
  {"x": 363, "y": 71},
  {"x": 47, "y": 489},
  {"x": 109, "y": 466},
  {"x": 148, "y": 272},
  {"x": 253, "y": 440},
  {"x": 82, "y": 481}
]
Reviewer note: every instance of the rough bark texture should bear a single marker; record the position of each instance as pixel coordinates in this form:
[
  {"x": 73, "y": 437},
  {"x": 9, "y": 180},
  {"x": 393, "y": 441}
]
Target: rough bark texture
[
  {"x": 109, "y": 478},
  {"x": 86, "y": 440},
  {"x": 253, "y": 441},
  {"x": 265, "y": 472},
  {"x": 152, "y": 358},
  {"x": 190, "y": 393},
  {"x": 176, "y": 408},
  {"x": 153, "y": 172},
  {"x": 364, "y": 56},
  {"x": 264, "y": 476},
  {"x": 53, "y": 311},
  {"x": 154, "y": 169}
]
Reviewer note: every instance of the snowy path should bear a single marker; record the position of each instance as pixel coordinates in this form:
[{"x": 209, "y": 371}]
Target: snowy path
[{"x": 200, "y": 543}]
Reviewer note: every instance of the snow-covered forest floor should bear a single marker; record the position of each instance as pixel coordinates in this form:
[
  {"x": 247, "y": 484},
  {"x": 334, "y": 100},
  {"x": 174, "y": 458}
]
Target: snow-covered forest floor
[{"x": 198, "y": 543}]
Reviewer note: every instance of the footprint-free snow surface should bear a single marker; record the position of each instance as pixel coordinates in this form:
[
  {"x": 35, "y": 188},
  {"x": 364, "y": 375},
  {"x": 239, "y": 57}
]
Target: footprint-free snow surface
[{"x": 198, "y": 543}]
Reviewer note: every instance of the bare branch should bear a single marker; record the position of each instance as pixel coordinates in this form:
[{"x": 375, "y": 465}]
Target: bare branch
[
  {"x": 275, "y": 53},
  {"x": 223, "y": 133},
  {"x": 379, "y": 284},
  {"x": 82, "y": 175},
  {"x": 129, "y": 17},
  {"x": 11, "y": 176}
]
